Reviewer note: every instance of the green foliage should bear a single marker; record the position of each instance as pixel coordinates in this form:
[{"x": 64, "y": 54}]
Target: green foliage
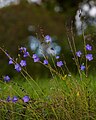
[
  {"x": 63, "y": 96},
  {"x": 63, "y": 99}
]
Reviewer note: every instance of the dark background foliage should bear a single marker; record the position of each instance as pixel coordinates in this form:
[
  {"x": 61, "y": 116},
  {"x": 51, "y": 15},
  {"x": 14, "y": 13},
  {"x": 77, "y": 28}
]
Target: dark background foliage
[{"x": 14, "y": 23}]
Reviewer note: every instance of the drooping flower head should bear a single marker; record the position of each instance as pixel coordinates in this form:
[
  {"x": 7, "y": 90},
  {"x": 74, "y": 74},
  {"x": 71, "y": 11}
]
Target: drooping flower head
[
  {"x": 45, "y": 62},
  {"x": 57, "y": 57},
  {"x": 10, "y": 61},
  {"x": 89, "y": 57},
  {"x": 88, "y": 47},
  {"x": 26, "y": 54},
  {"x": 14, "y": 99},
  {"x": 8, "y": 99},
  {"x": 23, "y": 63},
  {"x": 17, "y": 67},
  {"x": 26, "y": 98},
  {"x": 36, "y": 58},
  {"x": 48, "y": 39},
  {"x": 6, "y": 78},
  {"x": 22, "y": 49},
  {"x": 82, "y": 67},
  {"x": 79, "y": 53},
  {"x": 60, "y": 63}
]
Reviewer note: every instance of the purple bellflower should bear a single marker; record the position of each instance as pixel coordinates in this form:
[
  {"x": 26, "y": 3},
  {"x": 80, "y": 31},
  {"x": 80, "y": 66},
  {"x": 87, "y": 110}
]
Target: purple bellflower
[
  {"x": 88, "y": 47},
  {"x": 35, "y": 57},
  {"x": 59, "y": 64},
  {"x": 89, "y": 57},
  {"x": 23, "y": 63},
  {"x": 45, "y": 62},
  {"x": 82, "y": 67},
  {"x": 26, "y": 54},
  {"x": 47, "y": 39},
  {"x": 57, "y": 57},
  {"x": 6, "y": 78},
  {"x": 10, "y": 61},
  {"x": 14, "y": 99},
  {"x": 8, "y": 99},
  {"x": 26, "y": 98},
  {"x": 78, "y": 53},
  {"x": 22, "y": 49},
  {"x": 17, "y": 67}
]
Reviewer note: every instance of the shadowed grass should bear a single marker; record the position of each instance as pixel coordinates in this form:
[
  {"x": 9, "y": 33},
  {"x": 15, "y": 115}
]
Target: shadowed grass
[{"x": 62, "y": 100}]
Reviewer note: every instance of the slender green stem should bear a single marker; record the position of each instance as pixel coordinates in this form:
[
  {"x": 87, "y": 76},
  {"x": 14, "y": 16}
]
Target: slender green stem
[
  {"x": 74, "y": 47},
  {"x": 86, "y": 61},
  {"x": 75, "y": 57},
  {"x": 14, "y": 62},
  {"x": 32, "y": 80},
  {"x": 29, "y": 83}
]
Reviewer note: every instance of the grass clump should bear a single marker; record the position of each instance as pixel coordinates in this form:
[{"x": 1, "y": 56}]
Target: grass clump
[
  {"x": 61, "y": 99},
  {"x": 63, "y": 96}
]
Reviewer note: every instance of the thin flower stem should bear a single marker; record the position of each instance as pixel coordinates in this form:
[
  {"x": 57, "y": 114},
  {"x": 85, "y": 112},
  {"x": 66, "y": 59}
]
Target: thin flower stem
[
  {"x": 76, "y": 58},
  {"x": 32, "y": 80},
  {"x": 53, "y": 62},
  {"x": 86, "y": 61},
  {"x": 52, "y": 70},
  {"x": 67, "y": 67},
  {"x": 14, "y": 62},
  {"x": 29, "y": 83}
]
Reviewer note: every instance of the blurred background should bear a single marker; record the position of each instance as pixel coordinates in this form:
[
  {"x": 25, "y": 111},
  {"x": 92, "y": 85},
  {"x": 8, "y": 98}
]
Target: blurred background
[{"x": 20, "y": 19}]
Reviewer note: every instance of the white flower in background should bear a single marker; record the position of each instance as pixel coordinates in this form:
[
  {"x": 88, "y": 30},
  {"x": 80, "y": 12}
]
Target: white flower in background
[
  {"x": 85, "y": 7},
  {"x": 43, "y": 48},
  {"x": 85, "y": 15},
  {"x": 4, "y": 3},
  {"x": 92, "y": 12},
  {"x": 35, "y": 1}
]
